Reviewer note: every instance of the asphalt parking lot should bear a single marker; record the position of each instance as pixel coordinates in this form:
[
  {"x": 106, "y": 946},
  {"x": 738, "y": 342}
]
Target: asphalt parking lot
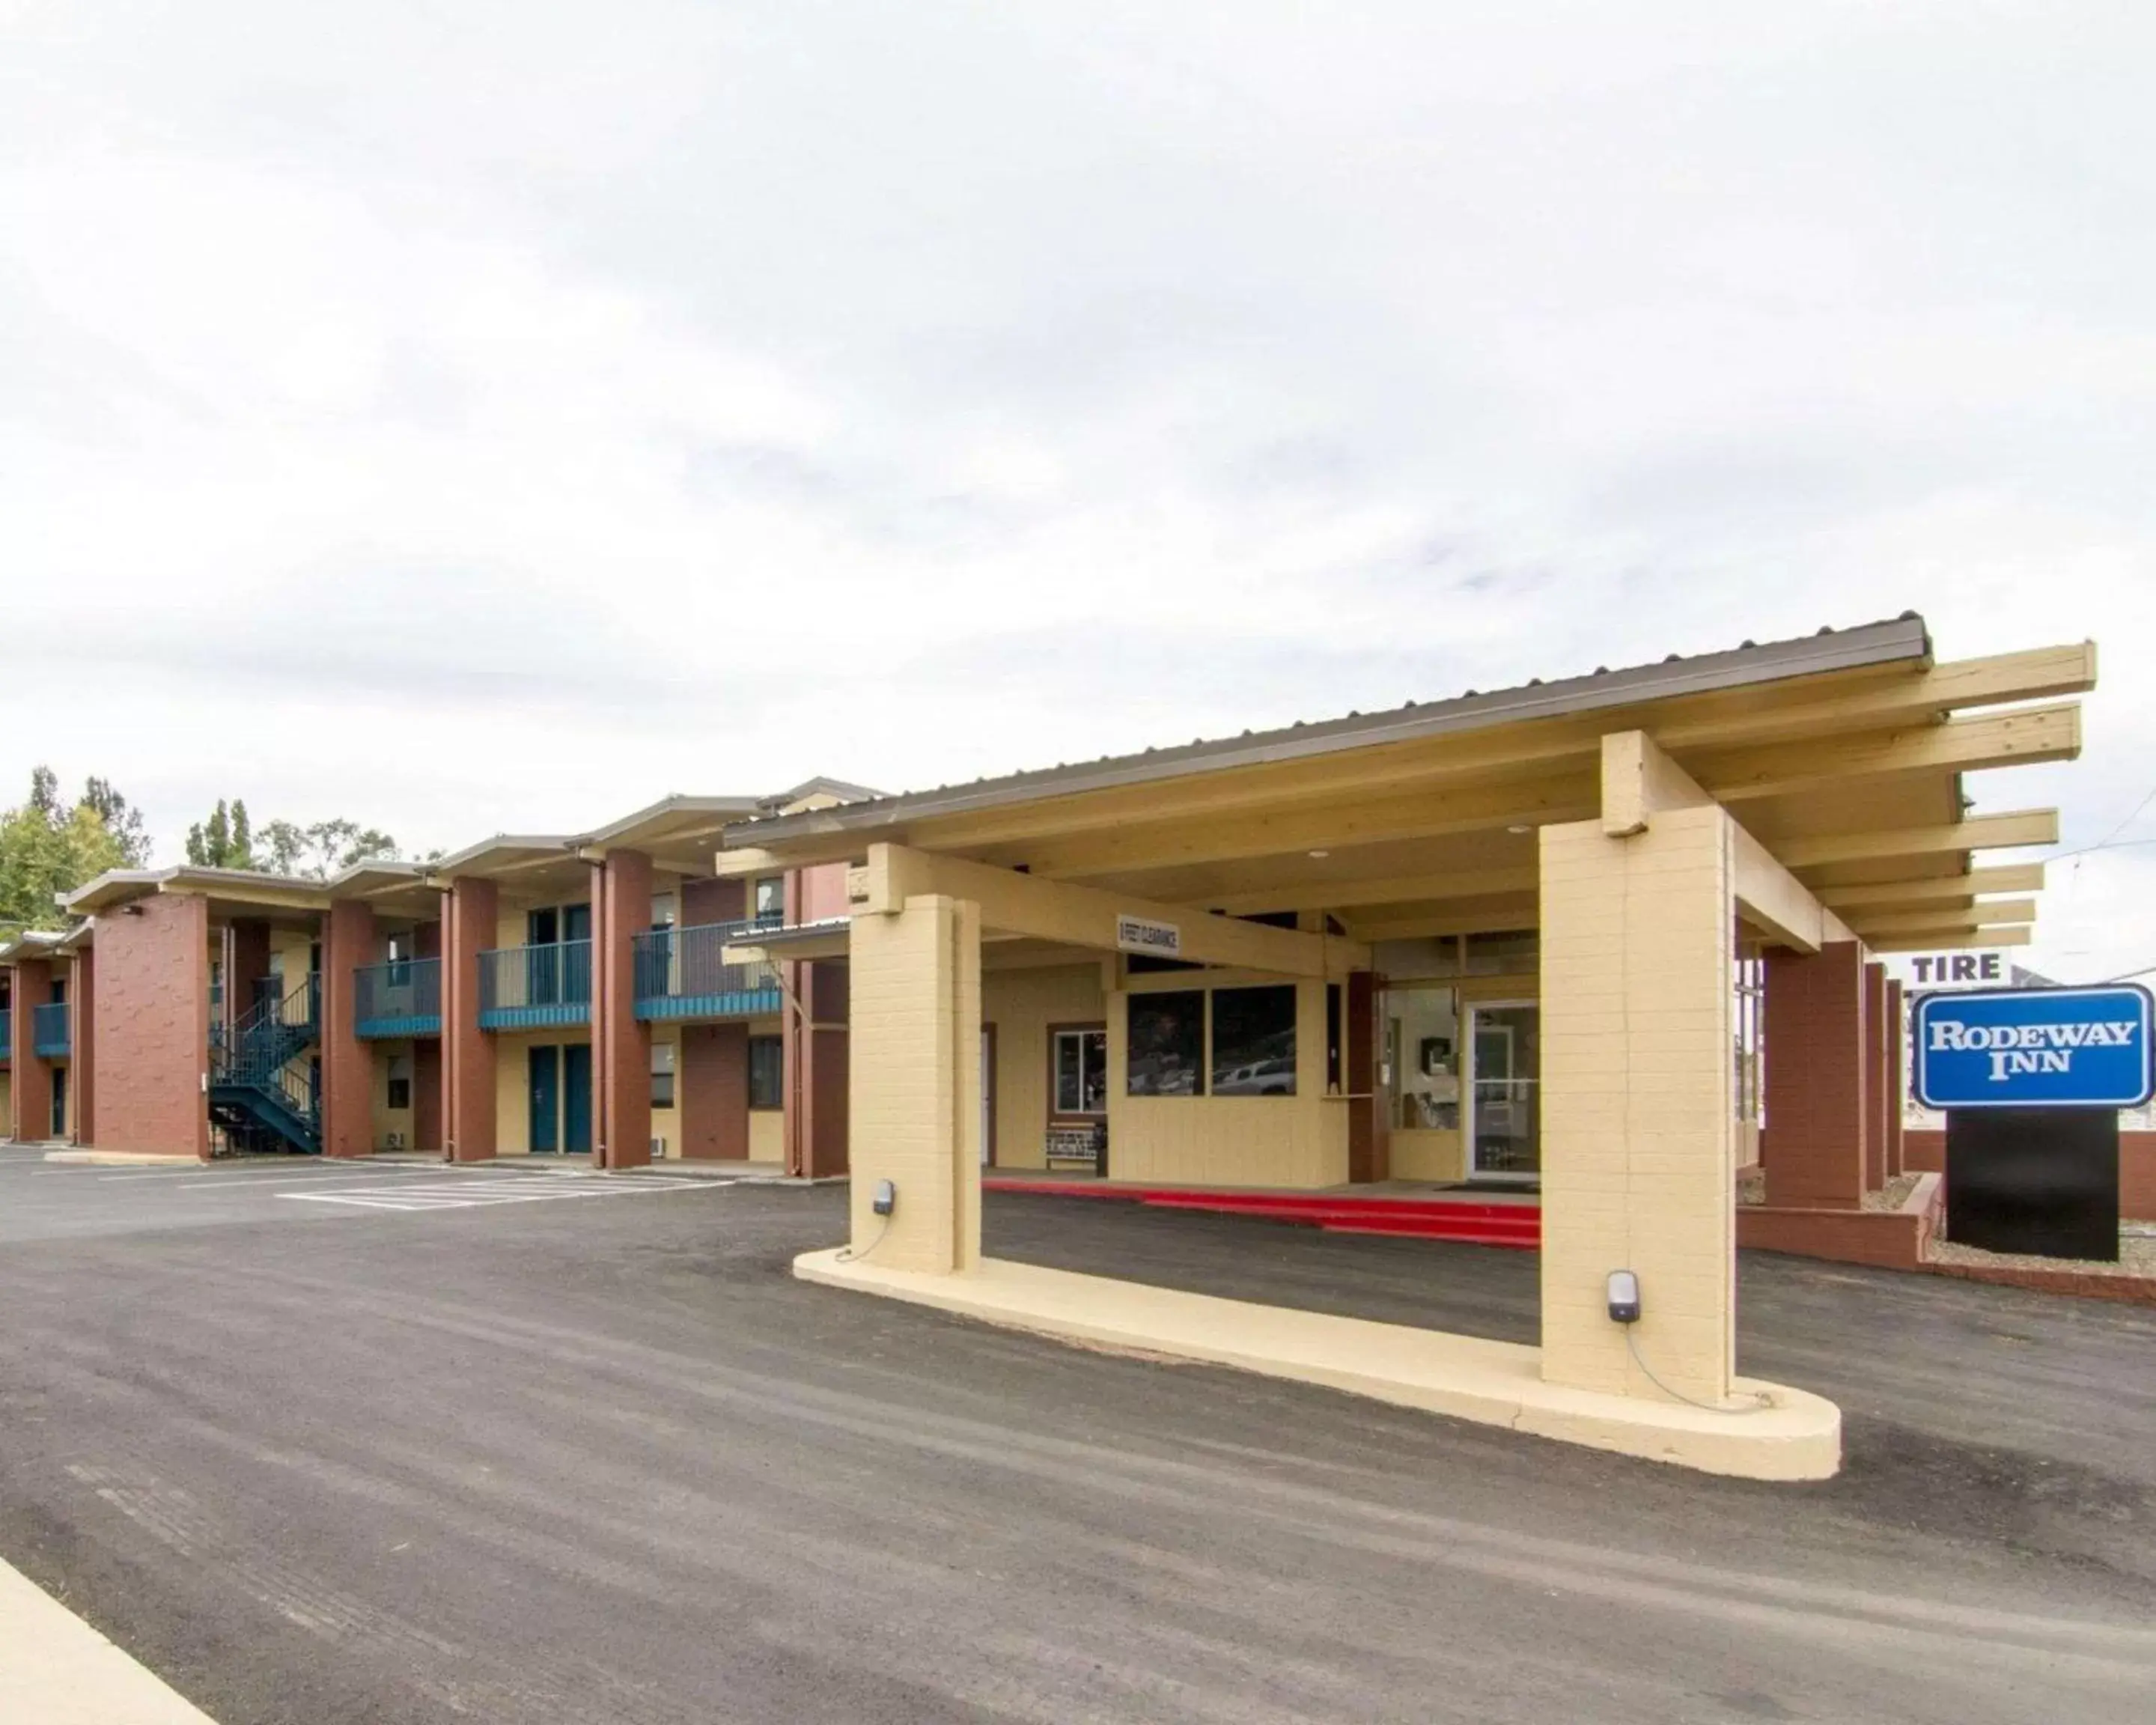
[{"x": 599, "y": 1458}]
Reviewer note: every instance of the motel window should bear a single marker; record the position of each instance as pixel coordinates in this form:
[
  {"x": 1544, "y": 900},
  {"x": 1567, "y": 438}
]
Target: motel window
[
  {"x": 1168, "y": 1044},
  {"x": 769, "y": 903},
  {"x": 1253, "y": 1041},
  {"x": 767, "y": 1072},
  {"x": 662, "y": 910},
  {"x": 662, "y": 1074},
  {"x": 400, "y": 1081},
  {"x": 400, "y": 959},
  {"x": 1081, "y": 1056}
]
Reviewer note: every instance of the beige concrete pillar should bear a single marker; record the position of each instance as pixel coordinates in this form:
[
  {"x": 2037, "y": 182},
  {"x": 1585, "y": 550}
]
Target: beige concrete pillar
[
  {"x": 1638, "y": 952},
  {"x": 915, "y": 1084}
]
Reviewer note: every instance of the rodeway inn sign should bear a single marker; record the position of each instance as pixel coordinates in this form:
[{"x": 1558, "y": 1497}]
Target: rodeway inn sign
[{"x": 2034, "y": 1048}]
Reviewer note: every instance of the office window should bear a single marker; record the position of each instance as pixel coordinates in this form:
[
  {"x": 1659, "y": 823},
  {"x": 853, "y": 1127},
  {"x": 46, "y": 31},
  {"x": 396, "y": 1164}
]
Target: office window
[
  {"x": 1168, "y": 1044},
  {"x": 767, "y": 1072},
  {"x": 662, "y": 1074},
  {"x": 400, "y": 1081},
  {"x": 1081, "y": 1057},
  {"x": 1253, "y": 1041},
  {"x": 768, "y": 902}
]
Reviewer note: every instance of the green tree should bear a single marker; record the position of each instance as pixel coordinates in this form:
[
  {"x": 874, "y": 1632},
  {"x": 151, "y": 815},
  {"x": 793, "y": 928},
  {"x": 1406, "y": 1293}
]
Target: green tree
[
  {"x": 46, "y": 849},
  {"x": 283, "y": 847}
]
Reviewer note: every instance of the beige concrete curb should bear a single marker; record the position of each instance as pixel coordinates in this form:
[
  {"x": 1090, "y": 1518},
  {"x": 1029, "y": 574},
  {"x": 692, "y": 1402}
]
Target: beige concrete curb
[
  {"x": 1797, "y": 1436},
  {"x": 56, "y": 1669},
  {"x": 122, "y": 1158}
]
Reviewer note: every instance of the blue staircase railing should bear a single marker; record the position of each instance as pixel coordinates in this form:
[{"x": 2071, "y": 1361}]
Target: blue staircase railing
[
  {"x": 402, "y": 997},
  {"x": 49, "y": 1037},
  {"x": 682, "y": 973},
  {"x": 521, "y": 987},
  {"x": 258, "y": 1089}
]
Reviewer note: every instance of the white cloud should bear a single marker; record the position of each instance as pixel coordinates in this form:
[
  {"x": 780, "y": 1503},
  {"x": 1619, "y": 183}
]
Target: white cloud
[{"x": 702, "y": 396}]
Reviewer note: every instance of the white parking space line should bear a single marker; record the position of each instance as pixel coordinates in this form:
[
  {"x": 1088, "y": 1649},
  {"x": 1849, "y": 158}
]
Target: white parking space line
[{"x": 516, "y": 1188}]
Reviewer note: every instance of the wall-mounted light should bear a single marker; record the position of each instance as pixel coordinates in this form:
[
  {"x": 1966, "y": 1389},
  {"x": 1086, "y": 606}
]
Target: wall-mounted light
[{"x": 131, "y": 910}]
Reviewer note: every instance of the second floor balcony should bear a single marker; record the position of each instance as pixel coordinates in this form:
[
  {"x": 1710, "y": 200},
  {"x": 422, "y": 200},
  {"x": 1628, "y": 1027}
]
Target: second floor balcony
[
  {"x": 402, "y": 997},
  {"x": 681, "y": 973},
  {"x": 524, "y": 988},
  {"x": 49, "y": 1035}
]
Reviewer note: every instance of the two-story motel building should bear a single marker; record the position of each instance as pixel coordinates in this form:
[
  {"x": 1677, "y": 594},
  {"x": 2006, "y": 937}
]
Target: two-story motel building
[{"x": 1550, "y": 935}]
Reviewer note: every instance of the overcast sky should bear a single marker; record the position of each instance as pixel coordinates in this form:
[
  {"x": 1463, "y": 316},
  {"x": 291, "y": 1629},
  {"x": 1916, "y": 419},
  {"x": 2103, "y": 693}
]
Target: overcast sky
[{"x": 469, "y": 417}]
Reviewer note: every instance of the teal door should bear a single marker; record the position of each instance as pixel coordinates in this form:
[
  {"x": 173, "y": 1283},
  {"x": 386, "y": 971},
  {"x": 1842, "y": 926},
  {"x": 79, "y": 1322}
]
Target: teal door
[
  {"x": 544, "y": 1066},
  {"x": 576, "y": 1098}
]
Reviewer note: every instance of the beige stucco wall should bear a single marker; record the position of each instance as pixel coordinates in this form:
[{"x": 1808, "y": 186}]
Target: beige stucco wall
[
  {"x": 512, "y": 1084},
  {"x": 1638, "y": 1163},
  {"x": 1021, "y": 1005},
  {"x": 666, "y": 1122},
  {"x": 388, "y": 1120},
  {"x": 766, "y": 1135}
]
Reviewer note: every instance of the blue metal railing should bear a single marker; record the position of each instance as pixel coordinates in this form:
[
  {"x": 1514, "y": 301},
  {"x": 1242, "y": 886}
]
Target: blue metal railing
[
  {"x": 681, "y": 973},
  {"x": 522, "y": 986},
  {"x": 49, "y": 1029},
  {"x": 402, "y": 997}
]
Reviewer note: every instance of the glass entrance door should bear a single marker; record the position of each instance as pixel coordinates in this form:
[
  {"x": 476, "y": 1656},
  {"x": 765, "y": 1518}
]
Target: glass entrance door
[{"x": 1504, "y": 1089}]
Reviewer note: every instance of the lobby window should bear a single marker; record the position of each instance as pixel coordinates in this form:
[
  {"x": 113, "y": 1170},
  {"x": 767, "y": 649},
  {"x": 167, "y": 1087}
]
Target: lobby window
[
  {"x": 400, "y": 1081},
  {"x": 1419, "y": 1074},
  {"x": 1253, "y": 1041},
  {"x": 767, "y": 1072},
  {"x": 1081, "y": 1057},
  {"x": 768, "y": 903},
  {"x": 1168, "y": 1044},
  {"x": 662, "y": 1074}
]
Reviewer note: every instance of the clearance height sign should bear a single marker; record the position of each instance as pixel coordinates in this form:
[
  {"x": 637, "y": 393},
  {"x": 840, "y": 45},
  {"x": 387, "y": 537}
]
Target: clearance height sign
[{"x": 2034, "y": 1048}]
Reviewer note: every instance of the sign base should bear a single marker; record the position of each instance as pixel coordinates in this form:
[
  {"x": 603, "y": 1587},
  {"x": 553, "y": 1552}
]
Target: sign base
[{"x": 2040, "y": 1181}]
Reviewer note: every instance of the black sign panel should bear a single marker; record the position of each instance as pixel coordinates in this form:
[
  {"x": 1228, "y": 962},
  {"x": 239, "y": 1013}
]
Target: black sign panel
[{"x": 2043, "y": 1181}]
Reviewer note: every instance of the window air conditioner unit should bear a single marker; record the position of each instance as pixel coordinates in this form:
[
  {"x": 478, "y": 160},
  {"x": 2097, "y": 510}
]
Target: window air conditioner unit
[
  {"x": 659, "y": 1149},
  {"x": 395, "y": 1141}
]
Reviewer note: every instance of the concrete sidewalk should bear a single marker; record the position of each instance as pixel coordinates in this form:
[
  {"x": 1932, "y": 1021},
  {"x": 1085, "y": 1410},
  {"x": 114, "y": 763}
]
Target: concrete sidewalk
[{"x": 56, "y": 1669}]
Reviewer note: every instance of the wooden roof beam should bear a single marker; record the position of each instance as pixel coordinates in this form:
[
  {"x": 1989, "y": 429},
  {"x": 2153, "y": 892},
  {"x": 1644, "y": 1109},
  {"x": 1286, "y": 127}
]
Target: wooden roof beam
[
  {"x": 1330, "y": 827},
  {"x": 1378, "y": 889},
  {"x": 2020, "y": 737},
  {"x": 1945, "y": 942},
  {"x": 1980, "y": 831},
  {"x": 1936, "y": 888},
  {"x": 1991, "y": 913},
  {"x": 1718, "y": 721}
]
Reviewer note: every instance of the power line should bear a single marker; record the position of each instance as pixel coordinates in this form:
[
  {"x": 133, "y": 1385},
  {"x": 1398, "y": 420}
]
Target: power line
[{"x": 2104, "y": 843}]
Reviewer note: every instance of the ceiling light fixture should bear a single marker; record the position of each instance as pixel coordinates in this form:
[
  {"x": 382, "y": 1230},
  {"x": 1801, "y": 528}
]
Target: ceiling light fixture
[
  {"x": 1519, "y": 829},
  {"x": 1321, "y": 855}
]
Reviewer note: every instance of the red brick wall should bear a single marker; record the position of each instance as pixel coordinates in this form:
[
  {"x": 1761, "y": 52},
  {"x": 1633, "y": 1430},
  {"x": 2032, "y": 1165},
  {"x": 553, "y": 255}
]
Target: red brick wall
[
  {"x": 713, "y": 1080},
  {"x": 1925, "y": 1153},
  {"x": 82, "y": 1060},
  {"x": 817, "y": 1094},
  {"x": 152, "y": 1028},
  {"x": 467, "y": 1053},
  {"x": 30, "y": 1085},
  {"x": 426, "y": 1094},
  {"x": 348, "y": 941},
  {"x": 1813, "y": 1030},
  {"x": 704, "y": 902},
  {"x": 1876, "y": 1103},
  {"x": 1897, "y": 1079},
  {"x": 621, "y": 1042},
  {"x": 250, "y": 962}
]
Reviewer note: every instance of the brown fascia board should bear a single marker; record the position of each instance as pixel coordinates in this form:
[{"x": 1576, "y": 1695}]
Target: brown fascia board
[{"x": 1903, "y": 638}]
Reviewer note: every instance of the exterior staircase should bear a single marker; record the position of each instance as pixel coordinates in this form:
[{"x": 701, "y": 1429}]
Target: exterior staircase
[{"x": 260, "y": 1092}]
